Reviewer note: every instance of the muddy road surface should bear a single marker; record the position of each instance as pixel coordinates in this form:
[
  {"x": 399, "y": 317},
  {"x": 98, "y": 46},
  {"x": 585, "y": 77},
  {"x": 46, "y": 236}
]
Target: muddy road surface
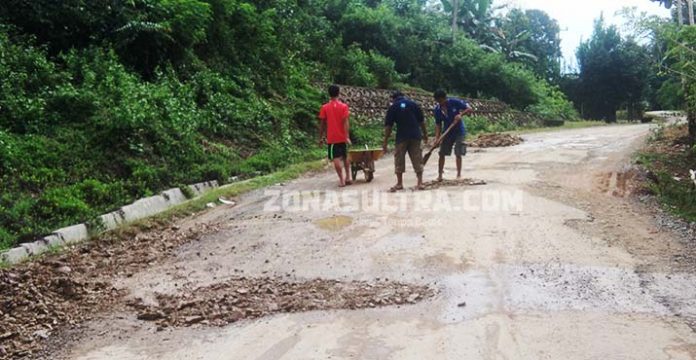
[{"x": 545, "y": 254}]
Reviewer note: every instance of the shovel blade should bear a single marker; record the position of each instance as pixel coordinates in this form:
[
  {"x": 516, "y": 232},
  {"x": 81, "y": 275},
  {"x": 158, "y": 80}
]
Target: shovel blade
[{"x": 427, "y": 157}]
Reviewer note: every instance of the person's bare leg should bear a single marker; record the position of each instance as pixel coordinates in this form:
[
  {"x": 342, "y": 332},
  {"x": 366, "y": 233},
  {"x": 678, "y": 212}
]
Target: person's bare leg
[
  {"x": 459, "y": 167},
  {"x": 399, "y": 183},
  {"x": 420, "y": 186},
  {"x": 339, "y": 172},
  {"x": 441, "y": 168},
  {"x": 346, "y": 163}
]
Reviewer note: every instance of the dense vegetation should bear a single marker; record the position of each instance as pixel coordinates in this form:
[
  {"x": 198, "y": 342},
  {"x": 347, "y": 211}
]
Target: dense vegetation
[
  {"x": 105, "y": 101},
  {"x": 648, "y": 67}
]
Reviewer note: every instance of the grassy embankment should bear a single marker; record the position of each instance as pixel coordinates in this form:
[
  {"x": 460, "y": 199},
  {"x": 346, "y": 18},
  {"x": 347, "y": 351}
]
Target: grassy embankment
[{"x": 668, "y": 157}]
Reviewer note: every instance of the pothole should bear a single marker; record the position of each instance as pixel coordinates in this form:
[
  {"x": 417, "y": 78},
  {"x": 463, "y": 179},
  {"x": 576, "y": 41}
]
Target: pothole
[{"x": 334, "y": 223}]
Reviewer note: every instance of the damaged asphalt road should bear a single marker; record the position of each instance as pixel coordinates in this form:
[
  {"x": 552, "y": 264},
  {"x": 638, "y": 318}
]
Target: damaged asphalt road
[{"x": 546, "y": 260}]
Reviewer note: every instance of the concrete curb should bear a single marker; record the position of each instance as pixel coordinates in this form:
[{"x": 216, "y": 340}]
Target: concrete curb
[{"x": 138, "y": 210}]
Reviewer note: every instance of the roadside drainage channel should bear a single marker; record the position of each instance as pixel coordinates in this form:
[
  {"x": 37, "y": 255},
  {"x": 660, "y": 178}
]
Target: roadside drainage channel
[{"x": 138, "y": 210}]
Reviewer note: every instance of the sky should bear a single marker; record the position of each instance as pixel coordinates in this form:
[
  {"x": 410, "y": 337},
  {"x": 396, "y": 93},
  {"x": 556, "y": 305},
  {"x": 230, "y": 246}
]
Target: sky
[{"x": 576, "y": 18}]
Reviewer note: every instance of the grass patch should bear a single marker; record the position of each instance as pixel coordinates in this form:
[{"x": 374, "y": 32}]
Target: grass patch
[
  {"x": 196, "y": 205},
  {"x": 289, "y": 173},
  {"x": 668, "y": 158},
  {"x": 199, "y": 204}
]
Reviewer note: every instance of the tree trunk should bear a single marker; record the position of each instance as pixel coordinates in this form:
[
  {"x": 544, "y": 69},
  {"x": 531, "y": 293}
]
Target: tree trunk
[
  {"x": 680, "y": 13},
  {"x": 690, "y": 7},
  {"x": 455, "y": 12}
]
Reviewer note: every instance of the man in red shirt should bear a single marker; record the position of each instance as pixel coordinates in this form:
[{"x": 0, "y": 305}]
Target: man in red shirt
[{"x": 335, "y": 130}]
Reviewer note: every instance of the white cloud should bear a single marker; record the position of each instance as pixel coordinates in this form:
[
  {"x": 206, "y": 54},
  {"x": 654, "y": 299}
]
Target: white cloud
[{"x": 576, "y": 18}]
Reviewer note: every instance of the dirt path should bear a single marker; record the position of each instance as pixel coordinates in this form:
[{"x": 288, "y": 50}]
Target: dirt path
[{"x": 550, "y": 259}]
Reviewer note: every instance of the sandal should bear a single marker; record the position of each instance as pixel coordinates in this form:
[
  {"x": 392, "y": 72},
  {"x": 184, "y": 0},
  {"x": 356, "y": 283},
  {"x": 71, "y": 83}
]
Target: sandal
[{"x": 395, "y": 188}]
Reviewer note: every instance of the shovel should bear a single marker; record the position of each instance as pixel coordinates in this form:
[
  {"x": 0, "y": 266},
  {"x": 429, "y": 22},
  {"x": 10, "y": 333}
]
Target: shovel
[{"x": 430, "y": 152}]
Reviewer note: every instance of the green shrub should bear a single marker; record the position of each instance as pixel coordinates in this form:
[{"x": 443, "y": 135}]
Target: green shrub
[
  {"x": 383, "y": 69},
  {"x": 479, "y": 124},
  {"x": 355, "y": 69},
  {"x": 553, "y": 104}
]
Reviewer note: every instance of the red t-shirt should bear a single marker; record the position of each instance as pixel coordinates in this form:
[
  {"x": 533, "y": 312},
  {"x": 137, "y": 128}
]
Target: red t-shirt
[{"x": 334, "y": 113}]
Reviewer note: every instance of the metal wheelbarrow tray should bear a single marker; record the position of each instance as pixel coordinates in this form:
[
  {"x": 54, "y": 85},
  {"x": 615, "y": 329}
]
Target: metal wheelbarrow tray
[{"x": 364, "y": 160}]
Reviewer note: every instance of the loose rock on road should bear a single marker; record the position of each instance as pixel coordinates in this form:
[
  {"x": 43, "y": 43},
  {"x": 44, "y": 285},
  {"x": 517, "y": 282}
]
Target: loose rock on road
[{"x": 568, "y": 267}]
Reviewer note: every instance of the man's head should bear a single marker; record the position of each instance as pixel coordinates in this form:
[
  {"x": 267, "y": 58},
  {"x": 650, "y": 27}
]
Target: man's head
[
  {"x": 440, "y": 96},
  {"x": 396, "y": 94},
  {"x": 334, "y": 91}
]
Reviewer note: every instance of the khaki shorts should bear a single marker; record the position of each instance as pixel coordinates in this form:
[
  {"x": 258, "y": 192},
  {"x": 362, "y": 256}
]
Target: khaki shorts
[{"x": 415, "y": 152}]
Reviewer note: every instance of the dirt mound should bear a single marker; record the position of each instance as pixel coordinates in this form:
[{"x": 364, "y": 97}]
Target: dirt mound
[
  {"x": 59, "y": 291},
  {"x": 430, "y": 185},
  {"x": 245, "y": 298},
  {"x": 496, "y": 140}
]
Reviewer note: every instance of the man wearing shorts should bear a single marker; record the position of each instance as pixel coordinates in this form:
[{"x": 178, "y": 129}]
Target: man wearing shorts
[
  {"x": 335, "y": 130},
  {"x": 447, "y": 112},
  {"x": 410, "y": 129}
]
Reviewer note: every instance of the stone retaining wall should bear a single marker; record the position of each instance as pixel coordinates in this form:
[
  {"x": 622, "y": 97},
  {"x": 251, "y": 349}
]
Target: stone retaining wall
[{"x": 372, "y": 103}]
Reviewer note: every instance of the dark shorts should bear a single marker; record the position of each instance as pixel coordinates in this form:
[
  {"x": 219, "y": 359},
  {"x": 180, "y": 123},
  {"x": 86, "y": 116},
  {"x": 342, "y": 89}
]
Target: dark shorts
[
  {"x": 337, "y": 151},
  {"x": 453, "y": 142}
]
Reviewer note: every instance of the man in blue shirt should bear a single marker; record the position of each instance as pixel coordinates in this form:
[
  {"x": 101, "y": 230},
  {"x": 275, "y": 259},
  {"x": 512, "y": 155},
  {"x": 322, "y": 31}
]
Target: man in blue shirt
[
  {"x": 449, "y": 111},
  {"x": 410, "y": 130}
]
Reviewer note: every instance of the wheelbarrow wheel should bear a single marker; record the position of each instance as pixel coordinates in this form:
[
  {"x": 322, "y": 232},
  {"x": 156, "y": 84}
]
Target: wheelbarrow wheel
[
  {"x": 353, "y": 171},
  {"x": 370, "y": 172}
]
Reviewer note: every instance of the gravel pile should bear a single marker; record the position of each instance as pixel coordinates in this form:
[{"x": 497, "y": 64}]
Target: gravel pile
[
  {"x": 58, "y": 291},
  {"x": 431, "y": 185},
  {"x": 39, "y": 300},
  {"x": 248, "y": 298},
  {"x": 496, "y": 140}
]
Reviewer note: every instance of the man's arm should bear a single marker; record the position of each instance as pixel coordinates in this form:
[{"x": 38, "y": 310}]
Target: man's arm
[
  {"x": 322, "y": 125},
  {"x": 421, "y": 121},
  {"x": 388, "y": 123},
  {"x": 322, "y": 131},
  {"x": 346, "y": 124},
  {"x": 387, "y": 135},
  {"x": 463, "y": 112}
]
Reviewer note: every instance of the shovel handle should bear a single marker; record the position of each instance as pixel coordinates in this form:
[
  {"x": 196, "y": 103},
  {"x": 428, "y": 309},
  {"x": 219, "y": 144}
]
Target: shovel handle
[{"x": 442, "y": 136}]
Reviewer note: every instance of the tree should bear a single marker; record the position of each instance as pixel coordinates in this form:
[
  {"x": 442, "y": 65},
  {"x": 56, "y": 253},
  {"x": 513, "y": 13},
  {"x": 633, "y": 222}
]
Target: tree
[
  {"x": 534, "y": 33},
  {"x": 474, "y": 17},
  {"x": 613, "y": 71},
  {"x": 682, "y": 53}
]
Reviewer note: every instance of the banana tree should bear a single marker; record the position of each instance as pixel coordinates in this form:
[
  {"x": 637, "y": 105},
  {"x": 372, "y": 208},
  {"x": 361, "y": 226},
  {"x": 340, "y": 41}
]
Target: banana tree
[
  {"x": 509, "y": 45},
  {"x": 475, "y": 17}
]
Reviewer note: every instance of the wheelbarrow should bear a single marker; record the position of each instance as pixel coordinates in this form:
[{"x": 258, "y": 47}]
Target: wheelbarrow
[{"x": 364, "y": 160}]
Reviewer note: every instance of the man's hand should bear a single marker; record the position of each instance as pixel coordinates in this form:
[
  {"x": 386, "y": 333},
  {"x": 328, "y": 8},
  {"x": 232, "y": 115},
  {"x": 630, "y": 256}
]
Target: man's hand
[
  {"x": 384, "y": 148},
  {"x": 458, "y": 117},
  {"x": 349, "y": 142}
]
